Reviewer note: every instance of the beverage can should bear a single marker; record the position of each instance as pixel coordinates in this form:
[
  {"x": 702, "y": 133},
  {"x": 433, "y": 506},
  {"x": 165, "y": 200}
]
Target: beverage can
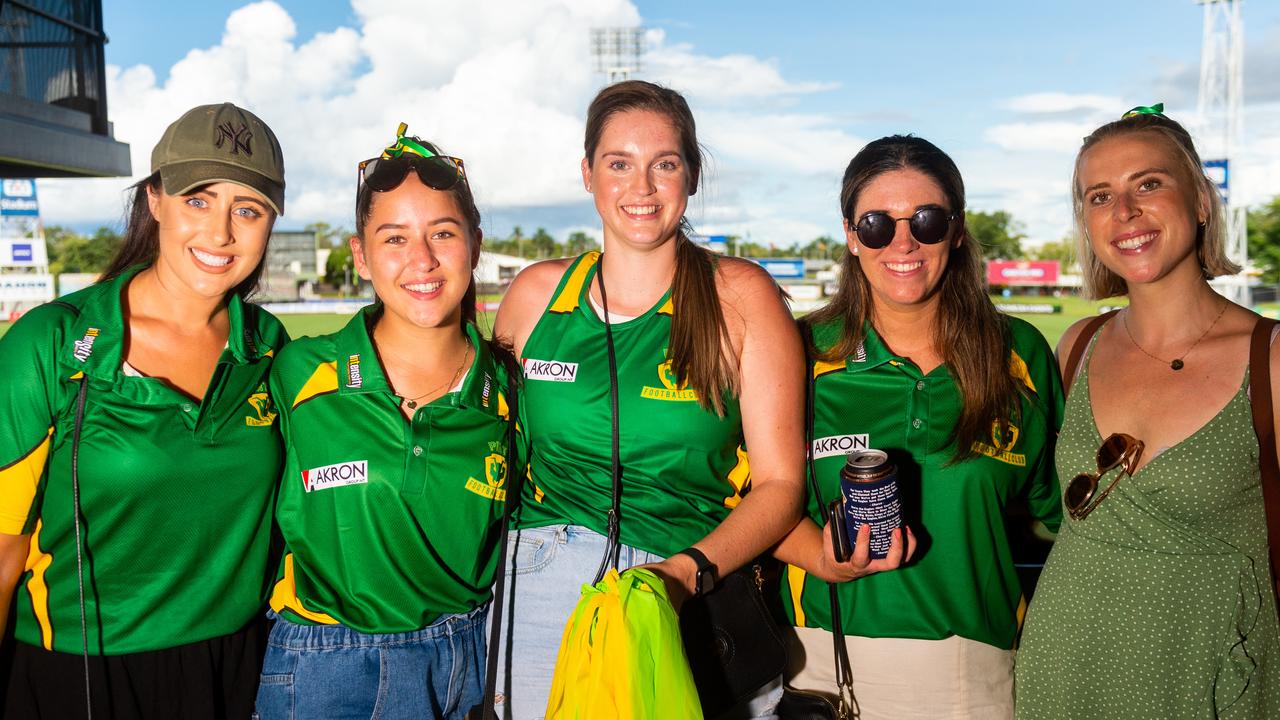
[{"x": 869, "y": 483}]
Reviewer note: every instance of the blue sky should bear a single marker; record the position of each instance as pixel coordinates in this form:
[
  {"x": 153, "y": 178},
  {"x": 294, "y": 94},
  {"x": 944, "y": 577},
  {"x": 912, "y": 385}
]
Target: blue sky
[{"x": 783, "y": 98}]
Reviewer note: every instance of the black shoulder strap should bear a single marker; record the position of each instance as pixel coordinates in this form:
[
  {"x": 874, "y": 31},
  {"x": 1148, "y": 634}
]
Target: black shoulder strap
[
  {"x": 1078, "y": 347},
  {"x": 1264, "y": 427},
  {"x": 515, "y": 476},
  {"x": 844, "y": 670}
]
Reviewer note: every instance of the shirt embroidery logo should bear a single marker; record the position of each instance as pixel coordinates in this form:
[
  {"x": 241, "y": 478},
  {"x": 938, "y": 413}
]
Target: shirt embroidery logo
[
  {"x": 672, "y": 389},
  {"x": 860, "y": 355},
  {"x": 495, "y": 476},
  {"x": 240, "y": 138},
  {"x": 353, "y": 372},
  {"x": 1001, "y": 447},
  {"x": 355, "y": 472},
  {"x": 484, "y": 394},
  {"x": 839, "y": 445},
  {"x": 263, "y": 412},
  {"x": 552, "y": 370},
  {"x": 83, "y": 347}
]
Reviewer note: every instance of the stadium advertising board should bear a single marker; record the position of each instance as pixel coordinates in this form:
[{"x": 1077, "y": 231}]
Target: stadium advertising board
[
  {"x": 782, "y": 268},
  {"x": 1022, "y": 272},
  {"x": 26, "y": 287}
]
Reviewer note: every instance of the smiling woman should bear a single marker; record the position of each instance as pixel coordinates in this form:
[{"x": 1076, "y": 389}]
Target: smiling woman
[
  {"x": 399, "y": 428},
  {"x": 139, "y": 455}
]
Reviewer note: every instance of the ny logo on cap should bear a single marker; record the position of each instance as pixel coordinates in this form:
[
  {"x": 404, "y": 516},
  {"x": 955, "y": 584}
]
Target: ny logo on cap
[{"x": 240, "y": 138}]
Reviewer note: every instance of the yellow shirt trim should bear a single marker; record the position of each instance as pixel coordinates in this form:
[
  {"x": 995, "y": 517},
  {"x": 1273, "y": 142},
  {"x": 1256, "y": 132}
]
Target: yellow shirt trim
[
  {"x": 1018, "y": 369},
  {"x": 795, "y": 583},
  {"x": 38, "y": 562},
  {"x": 739, "y": 477},
  {"x": 323, "y": 380},
  {"x": 18, "y": 483},
  {"x": 285, "y": 596},
  {"x": 567, "y": 300}
]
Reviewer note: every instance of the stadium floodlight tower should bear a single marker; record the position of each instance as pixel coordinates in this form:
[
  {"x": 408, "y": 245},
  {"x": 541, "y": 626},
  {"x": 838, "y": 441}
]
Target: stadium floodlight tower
[
  {"x": 617, "y": 52},
  {"x": 1221, "y": 111}
]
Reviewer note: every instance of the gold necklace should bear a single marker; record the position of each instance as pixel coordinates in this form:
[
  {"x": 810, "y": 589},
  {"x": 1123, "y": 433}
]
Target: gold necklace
[
  {"x": 1176, "y": 363},
  {"x": 412, "y": 402}
]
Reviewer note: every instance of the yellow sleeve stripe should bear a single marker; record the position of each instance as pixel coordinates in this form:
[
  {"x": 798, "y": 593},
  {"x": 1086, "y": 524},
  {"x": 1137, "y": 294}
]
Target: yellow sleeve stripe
[
  {"x": 38, "y": 563},
  {"x": 822, "y": 367},
  {"x": 78, "y": 375},
  {"x": 668, "y": 307},
  {"x": 567, "y": 300},
  {"x": 504, "y": 412},
  {"x": 739, "y": 477},
  {"x": 1018, "y": 369},
  {"x": 323, "y": 380},
  {"x": 795, "y": 583},
  {"x": 18, "y": 483},
  {"x": 284, "y": 596}
]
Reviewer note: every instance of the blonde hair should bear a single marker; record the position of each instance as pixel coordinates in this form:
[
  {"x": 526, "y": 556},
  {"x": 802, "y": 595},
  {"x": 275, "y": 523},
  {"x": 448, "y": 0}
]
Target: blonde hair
[{"x": 1099, "y": 280}]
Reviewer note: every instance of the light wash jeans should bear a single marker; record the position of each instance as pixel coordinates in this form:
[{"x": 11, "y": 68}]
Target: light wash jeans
[
  {"x": 546, "y": 569},
  {"x": 334, "y": 672}
]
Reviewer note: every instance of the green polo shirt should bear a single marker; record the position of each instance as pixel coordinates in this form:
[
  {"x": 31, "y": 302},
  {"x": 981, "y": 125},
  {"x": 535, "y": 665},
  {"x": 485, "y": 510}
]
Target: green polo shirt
[
  {"x": 684, "y": 468},
  {"x": 961, "y": 580},
  {"x": 388, "y": 523},
  {"x": 175, "y": 493}
]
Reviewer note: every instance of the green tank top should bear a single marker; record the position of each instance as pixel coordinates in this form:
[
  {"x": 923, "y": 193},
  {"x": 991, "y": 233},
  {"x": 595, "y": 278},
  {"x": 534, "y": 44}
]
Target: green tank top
[
  {"x": 683, "y": 468},
  {"x": 1158, "y": 603}
]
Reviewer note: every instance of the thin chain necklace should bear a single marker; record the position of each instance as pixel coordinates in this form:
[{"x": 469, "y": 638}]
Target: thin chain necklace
[
  {"x": 412, "y": 402},
  {"x": 1176, "y": 363}
]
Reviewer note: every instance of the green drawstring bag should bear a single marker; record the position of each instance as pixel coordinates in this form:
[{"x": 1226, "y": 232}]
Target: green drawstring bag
[{"x": 621, "y": 655}]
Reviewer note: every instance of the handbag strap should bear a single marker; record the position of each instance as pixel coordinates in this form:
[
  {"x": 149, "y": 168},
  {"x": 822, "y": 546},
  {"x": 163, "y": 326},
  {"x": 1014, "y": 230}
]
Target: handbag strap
[
  {"x": 614, "y": 546},
  {"x": 1078, "y": 347},
  {"x": 1264, "y": 427},
  {"x": 844, "y": 670},
  {"x": 515, "y": 472}
]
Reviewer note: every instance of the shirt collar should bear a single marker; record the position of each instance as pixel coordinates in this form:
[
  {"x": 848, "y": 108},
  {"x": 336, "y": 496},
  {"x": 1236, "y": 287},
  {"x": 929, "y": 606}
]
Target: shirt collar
[
  {"x": 96, "y": 345},
  {"x": 360, "y": 370},
  {"x": 872, "y": 353}
]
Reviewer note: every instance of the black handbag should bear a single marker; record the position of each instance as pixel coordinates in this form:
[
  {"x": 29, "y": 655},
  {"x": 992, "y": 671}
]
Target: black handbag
[
  {"x": 730, "y": 637},
  {"x": 732, "y": 642}
]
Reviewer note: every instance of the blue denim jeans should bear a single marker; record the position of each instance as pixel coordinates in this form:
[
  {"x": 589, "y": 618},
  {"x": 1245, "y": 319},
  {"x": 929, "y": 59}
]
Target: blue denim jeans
[
  {"x": 334, "y": 672},
  {"x": 546, "y": 569}
]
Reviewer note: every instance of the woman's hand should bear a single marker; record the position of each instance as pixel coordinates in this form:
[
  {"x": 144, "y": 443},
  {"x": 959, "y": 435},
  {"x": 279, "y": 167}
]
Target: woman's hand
[
  {"x": 678, "y": 573},
  {"x": 860, "y": 563}
]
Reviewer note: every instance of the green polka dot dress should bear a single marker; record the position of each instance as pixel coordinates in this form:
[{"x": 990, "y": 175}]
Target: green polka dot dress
[{"x": 1159, "y": 603}]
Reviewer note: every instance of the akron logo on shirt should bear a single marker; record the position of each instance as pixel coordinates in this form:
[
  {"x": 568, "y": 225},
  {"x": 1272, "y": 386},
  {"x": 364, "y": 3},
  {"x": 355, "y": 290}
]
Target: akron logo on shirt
[
  {"x": 495, "y": 476},
  {"x": 839, "y": 445},
  {"x": 672, "y": 388},
  {"x": 355, "y": 472},
  {"x": 552, "y": 370}
]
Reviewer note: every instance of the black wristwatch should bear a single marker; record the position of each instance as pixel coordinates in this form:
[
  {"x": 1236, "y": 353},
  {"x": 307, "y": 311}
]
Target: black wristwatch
[{"x": 705, "y": 581}]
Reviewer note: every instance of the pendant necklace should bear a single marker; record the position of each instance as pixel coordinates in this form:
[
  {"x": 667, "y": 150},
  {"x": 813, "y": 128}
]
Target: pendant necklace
[
  {"x": 412, "y": 402},
  {"x": 1176, "y": 363}
]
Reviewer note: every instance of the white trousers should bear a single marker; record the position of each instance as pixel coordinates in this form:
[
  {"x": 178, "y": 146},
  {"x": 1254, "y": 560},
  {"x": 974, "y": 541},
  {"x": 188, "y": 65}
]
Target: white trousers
[{"x": 905, "y": 679}]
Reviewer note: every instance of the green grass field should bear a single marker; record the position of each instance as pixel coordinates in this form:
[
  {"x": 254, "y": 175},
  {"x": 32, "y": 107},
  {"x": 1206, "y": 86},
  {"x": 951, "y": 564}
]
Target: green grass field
[
  {"x": 1073, "y": 308},
  {"x": 1052, "y": 326}
]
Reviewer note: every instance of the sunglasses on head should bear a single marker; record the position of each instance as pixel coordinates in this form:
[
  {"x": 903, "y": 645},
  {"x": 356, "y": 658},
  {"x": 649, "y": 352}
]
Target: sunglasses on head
[
  {"x": 1118, "y": 450},
  {"x": 929, "y": 225},
  {"x": 438, "y": 172}
]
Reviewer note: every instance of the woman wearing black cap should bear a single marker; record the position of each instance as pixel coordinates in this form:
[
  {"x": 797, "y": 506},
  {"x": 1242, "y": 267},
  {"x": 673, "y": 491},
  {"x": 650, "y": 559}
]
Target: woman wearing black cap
[{"x": 139, "y": 461}]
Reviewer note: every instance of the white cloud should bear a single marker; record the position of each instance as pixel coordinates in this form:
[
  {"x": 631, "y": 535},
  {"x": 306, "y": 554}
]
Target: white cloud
[
  {"x": 1061, "y": 137},
  {"x": 503, "y": 85}
]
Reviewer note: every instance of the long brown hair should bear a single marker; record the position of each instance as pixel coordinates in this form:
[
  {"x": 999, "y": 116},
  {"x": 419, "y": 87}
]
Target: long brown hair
[
  {"x": 1211, "y": 243},
  {"x": 466, "y": 201},
  {"x": 699, "y": 348},
  {"x": 971, "y": 335},
  {"x": 141, "y": 242}
]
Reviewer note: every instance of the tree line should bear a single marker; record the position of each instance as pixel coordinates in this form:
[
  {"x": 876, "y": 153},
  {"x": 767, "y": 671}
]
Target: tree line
[{"x": 999, "y": 233}]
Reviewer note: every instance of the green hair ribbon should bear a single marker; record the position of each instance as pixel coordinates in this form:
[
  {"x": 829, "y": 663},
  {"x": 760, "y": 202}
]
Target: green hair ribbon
[
  {"x": 1157, "y": 110},
  {"x": 404, "y": 145}
]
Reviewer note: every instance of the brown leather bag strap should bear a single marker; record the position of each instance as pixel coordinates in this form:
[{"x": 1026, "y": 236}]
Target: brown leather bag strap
[
  {"x": 1264, "y": 427},
  {"x": 1078, "y": 347}
]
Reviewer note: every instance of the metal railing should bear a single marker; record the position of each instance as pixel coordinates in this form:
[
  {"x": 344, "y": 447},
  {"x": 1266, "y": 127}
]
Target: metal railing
[{"x": 51, "y": 52}]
